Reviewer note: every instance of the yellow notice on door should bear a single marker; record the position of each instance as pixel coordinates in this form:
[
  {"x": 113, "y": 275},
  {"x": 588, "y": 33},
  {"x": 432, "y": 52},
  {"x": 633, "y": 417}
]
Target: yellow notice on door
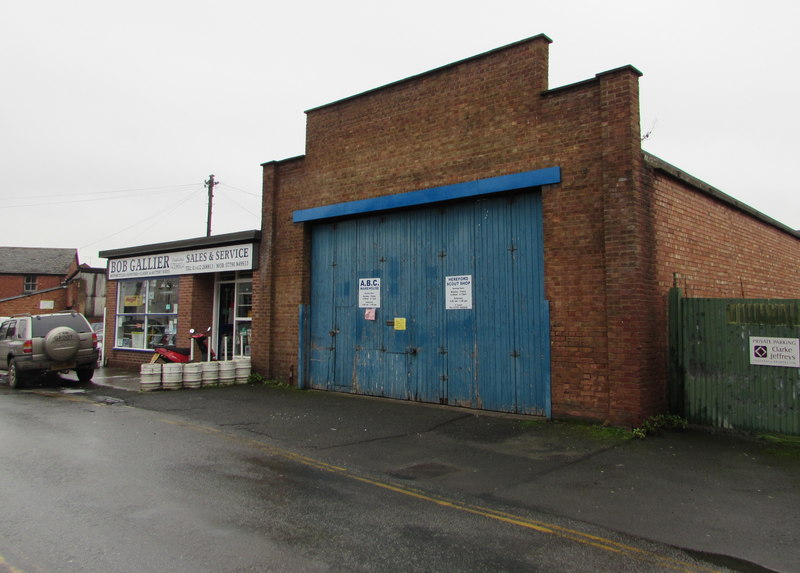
[{"x": 399, "y": 323}]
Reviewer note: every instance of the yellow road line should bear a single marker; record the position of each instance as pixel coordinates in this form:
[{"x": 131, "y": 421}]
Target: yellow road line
[
  {"x": 574, "y": 535},
  {"x": 8, "y": 568},
  {"x": 539, "y": 526}
]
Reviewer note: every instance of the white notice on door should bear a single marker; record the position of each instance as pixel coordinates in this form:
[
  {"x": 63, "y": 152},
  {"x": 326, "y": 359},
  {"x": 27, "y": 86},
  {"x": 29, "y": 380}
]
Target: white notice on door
[
  {"x": 369, "y": 293},
  {"x": 458, "y": 292}
]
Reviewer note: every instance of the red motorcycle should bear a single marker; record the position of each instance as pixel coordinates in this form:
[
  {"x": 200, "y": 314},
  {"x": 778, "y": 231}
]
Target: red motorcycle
[{"x": 170, "y": 353}]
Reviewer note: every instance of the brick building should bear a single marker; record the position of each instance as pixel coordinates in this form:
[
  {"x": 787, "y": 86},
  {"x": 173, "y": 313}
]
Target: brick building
[
  {"x": 471, "y": 236},
  {"x": 158, "y": 292},
  {"x": 37, "y": 280}
]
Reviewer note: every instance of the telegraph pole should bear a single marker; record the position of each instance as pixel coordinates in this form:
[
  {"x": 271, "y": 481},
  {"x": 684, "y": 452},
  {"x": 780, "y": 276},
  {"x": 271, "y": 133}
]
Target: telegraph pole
[{"x": 210, "y": 184}]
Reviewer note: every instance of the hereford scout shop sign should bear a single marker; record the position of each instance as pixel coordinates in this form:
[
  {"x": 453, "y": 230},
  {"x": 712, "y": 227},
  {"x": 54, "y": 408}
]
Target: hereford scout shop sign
[{"x": 206, "y": 260}]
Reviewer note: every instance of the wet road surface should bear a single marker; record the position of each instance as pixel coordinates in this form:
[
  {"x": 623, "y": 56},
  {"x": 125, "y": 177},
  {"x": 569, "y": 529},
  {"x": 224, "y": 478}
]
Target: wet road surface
[{"x": 88, "y": 483}]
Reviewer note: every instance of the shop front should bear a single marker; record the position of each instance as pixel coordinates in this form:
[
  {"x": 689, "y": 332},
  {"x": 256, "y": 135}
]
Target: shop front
[{"x": 158, "y": 293}]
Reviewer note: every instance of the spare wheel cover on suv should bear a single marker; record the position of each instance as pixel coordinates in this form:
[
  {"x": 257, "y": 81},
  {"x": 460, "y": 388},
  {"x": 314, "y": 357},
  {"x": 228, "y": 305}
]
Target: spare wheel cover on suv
[{"x": 61, "y": 343}]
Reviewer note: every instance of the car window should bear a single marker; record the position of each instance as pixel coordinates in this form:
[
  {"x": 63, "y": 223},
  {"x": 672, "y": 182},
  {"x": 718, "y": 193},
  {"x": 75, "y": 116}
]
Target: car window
[
  {"x": 22, "y": 329},
  {"x": 43, "y": 324},
  {"x": 3, "y": 330},
  {"x": 12, "y": 328}
]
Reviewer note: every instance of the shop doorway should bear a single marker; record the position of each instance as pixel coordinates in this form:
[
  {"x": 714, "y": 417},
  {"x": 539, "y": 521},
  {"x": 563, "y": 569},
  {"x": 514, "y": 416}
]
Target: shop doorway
[{"x": 233, "y": 316}]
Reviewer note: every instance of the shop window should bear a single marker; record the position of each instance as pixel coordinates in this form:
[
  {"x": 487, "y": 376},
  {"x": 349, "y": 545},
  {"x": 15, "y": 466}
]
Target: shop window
[
  {"x": 30, "y": 283},
  {"x": 244, "y": 300},
  {"x": 147, "y": 313}
]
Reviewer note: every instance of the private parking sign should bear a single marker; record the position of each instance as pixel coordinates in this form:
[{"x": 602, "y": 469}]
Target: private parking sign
[{"x": 765, "y": 351}]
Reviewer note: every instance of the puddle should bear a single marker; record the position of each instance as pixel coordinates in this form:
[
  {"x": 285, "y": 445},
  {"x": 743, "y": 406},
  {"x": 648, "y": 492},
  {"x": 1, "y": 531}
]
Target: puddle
[{"x": 424, "y": 470}]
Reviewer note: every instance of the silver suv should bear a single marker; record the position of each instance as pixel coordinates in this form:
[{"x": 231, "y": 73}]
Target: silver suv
[{"x": 36, "y": 343}]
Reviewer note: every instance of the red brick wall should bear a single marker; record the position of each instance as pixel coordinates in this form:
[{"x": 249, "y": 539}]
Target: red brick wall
[
  {"x": 13, "y": 285},
  {"x": 460, "y": 123},
  {"x": 32, "y": 303},
  {"x": 196, "y": 305},
  {"x": 480, "y": 118},
  {"x": 281, "y": 280},
  {"x": 72, "y": 297},
  {"x": 714, "y": 250}
]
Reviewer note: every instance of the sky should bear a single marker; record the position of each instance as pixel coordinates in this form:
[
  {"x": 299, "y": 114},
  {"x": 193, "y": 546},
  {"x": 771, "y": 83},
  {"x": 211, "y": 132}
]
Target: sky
[{"x": 114, "y": 114}]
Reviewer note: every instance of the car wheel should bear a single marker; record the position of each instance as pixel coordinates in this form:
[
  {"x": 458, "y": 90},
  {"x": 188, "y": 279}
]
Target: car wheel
[
  {"x": 85, "y": 374},
  {"x": 15, "y": 378}
]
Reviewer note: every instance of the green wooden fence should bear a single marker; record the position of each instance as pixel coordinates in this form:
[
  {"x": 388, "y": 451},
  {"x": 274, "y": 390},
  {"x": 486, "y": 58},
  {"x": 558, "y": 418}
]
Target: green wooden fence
[{"x": 735, "y": 363}]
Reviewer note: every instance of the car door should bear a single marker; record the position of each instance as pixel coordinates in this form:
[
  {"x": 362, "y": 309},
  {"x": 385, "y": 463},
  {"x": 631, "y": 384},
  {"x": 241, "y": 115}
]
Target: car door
[{"x": 4, "y": 328}]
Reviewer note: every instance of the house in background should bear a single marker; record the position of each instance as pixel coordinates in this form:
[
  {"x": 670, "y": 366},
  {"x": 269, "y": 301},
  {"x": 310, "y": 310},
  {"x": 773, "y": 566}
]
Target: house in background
[{"x": 42, "y": 280}]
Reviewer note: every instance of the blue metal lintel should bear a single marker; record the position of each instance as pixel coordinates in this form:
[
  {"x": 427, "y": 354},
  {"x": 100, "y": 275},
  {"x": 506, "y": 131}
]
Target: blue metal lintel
[{"x": 527, "y": 179}]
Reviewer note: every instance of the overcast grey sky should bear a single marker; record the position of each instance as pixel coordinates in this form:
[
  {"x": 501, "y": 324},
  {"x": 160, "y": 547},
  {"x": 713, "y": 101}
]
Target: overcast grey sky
[{"x": 115, "y": 113}]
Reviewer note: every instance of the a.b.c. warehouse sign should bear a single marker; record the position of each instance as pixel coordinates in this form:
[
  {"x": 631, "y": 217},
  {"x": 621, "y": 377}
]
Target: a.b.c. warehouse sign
[{"x": 206, "y": 260}]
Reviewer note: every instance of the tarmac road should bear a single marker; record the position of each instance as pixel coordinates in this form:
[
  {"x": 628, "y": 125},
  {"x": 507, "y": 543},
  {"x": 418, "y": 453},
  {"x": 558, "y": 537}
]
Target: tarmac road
[{"x": 731, "y": 502}]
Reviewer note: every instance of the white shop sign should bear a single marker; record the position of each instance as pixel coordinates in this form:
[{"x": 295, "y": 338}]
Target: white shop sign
[
  {"x": 369, "y": 293},
  {"x": 197, "y": 261},
  {"x": 458, "y": 292},
  {"x": 767, "y": 351}
]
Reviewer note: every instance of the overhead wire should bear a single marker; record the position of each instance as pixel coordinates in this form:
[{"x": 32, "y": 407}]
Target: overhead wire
[
  {"x": 106, "y": 195},
  {"x": 228, "y": 197},
  {"x": 171, "y": 210},
  {"x": 163, "y": 213},
  {"x": 152, "y": 220},
  {"x": 240, "y": 190},
  {"x": 242, "y": 207}
]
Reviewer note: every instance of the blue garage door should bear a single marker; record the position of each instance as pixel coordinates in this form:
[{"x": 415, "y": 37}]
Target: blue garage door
[{"x": 456, "y": 316}]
